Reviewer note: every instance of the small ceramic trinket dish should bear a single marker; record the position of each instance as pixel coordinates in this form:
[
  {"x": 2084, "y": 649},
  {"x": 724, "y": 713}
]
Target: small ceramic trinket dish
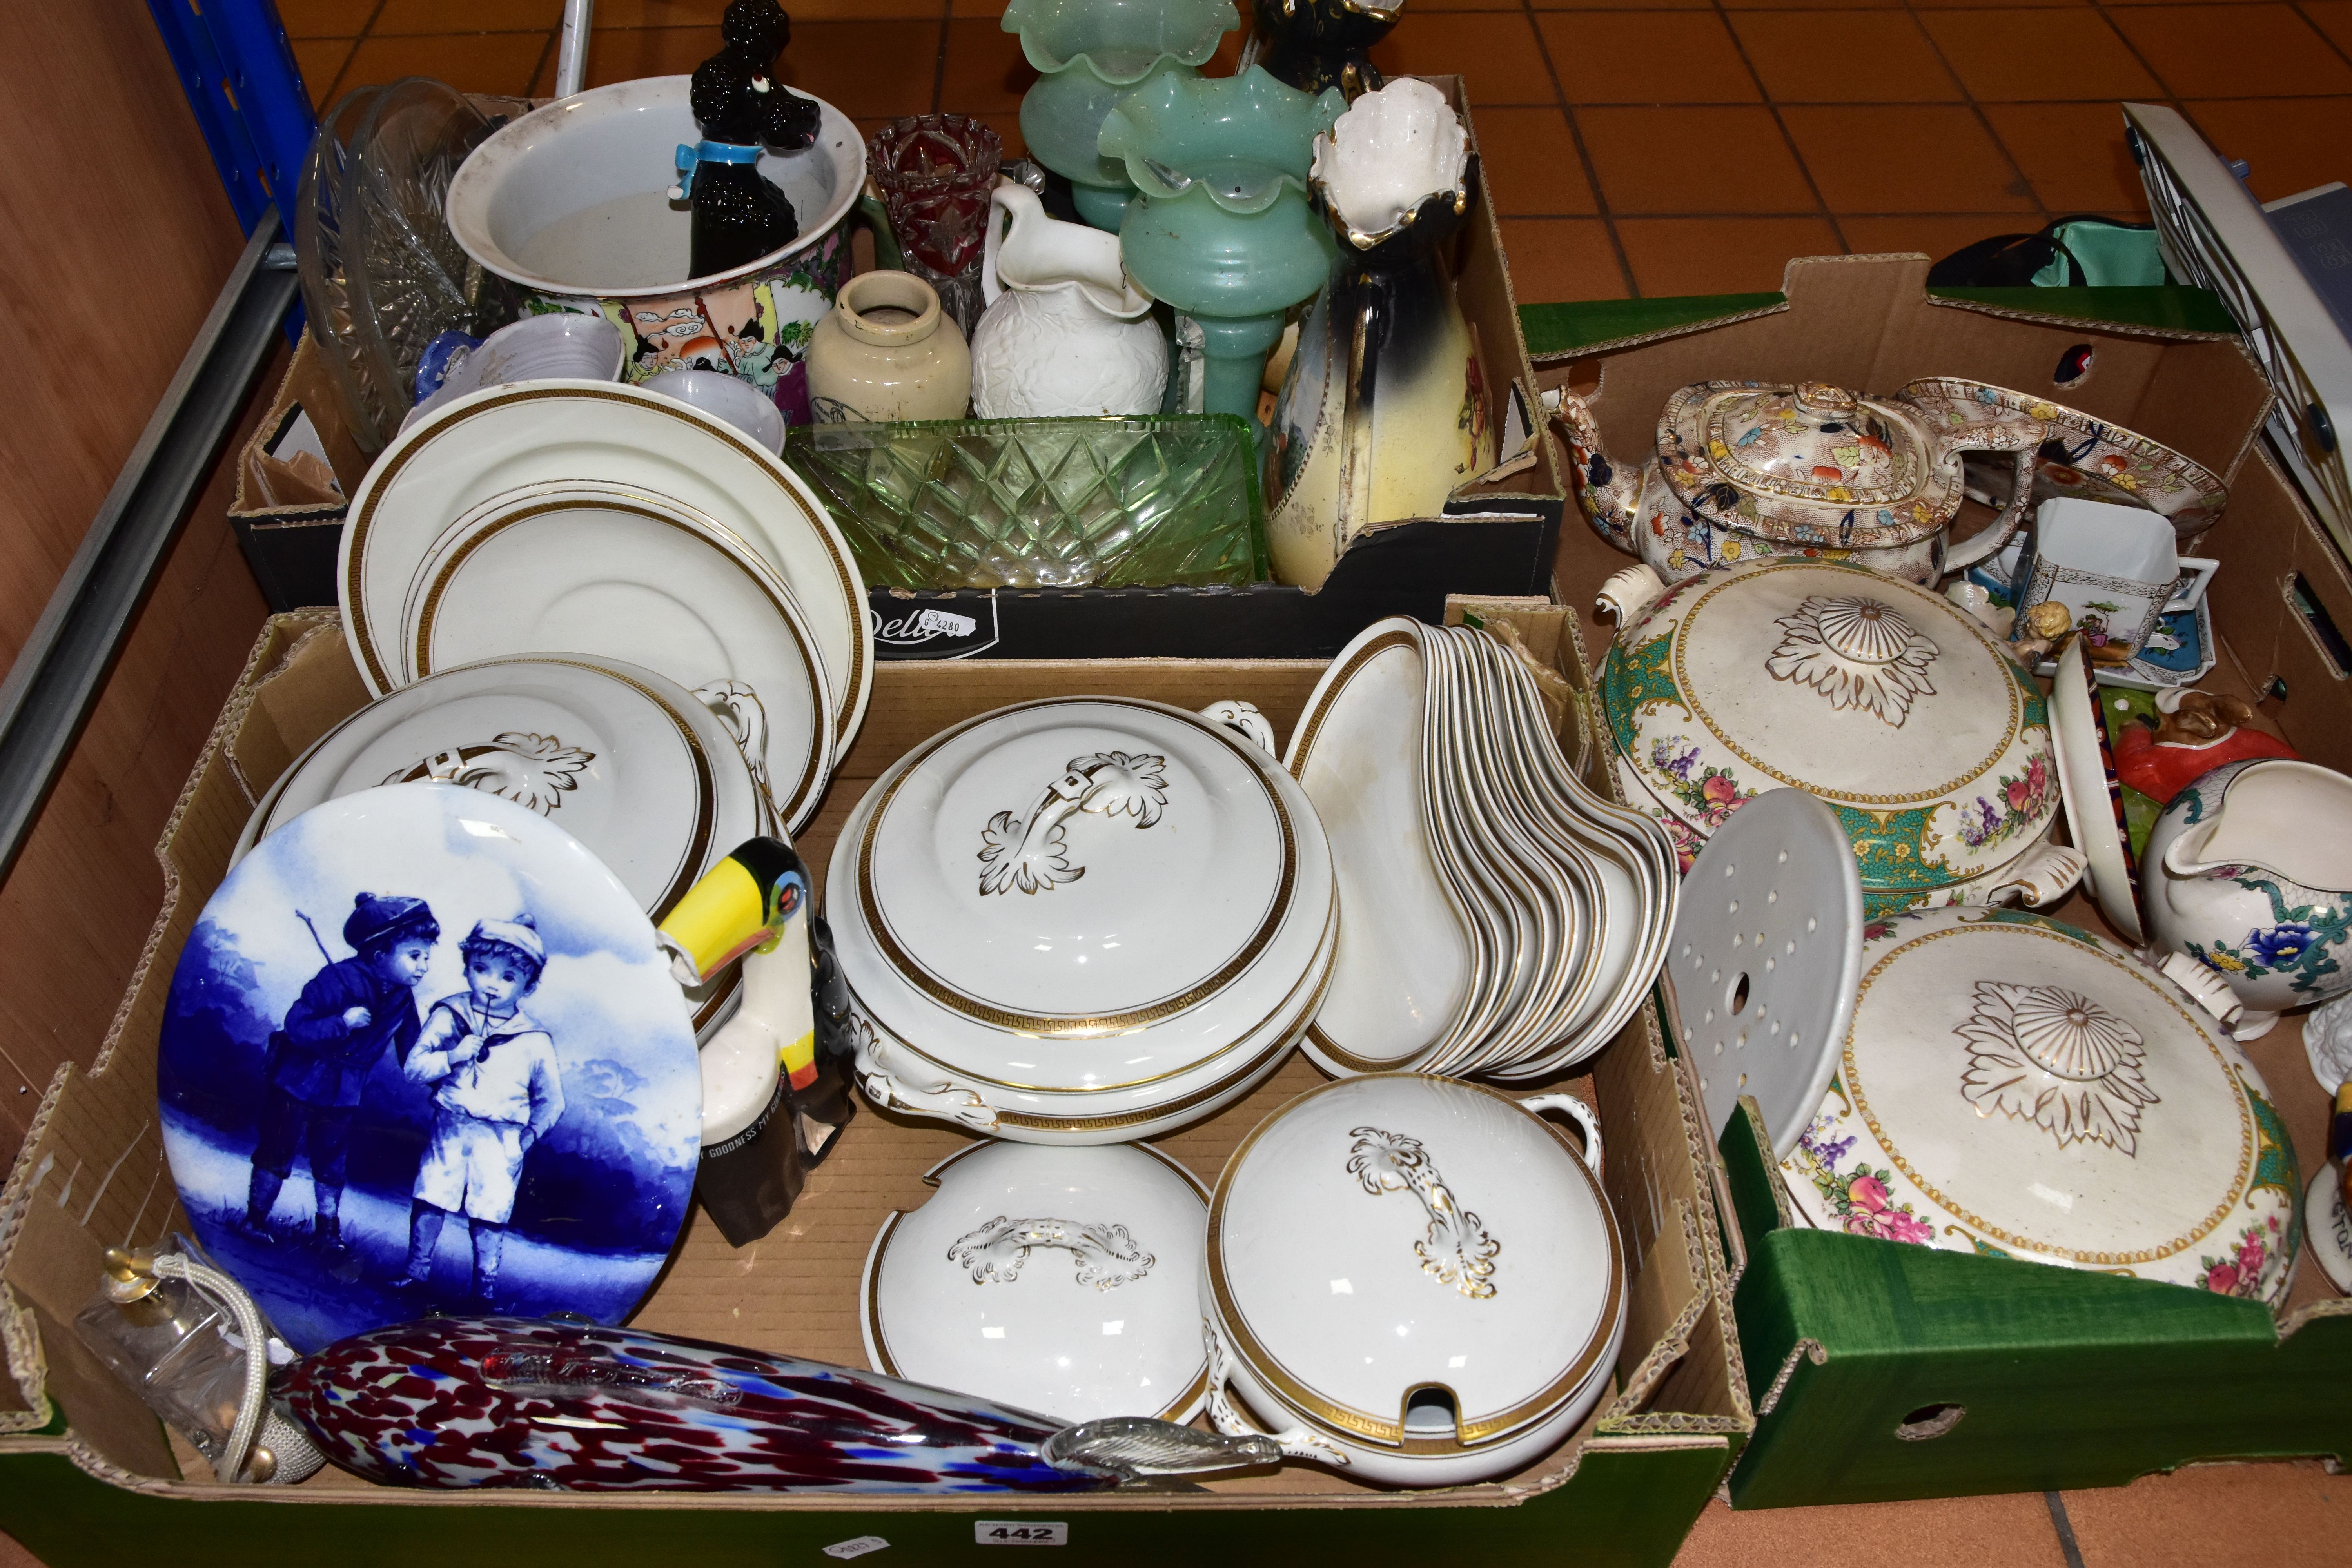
[
  {"x": 2249, "y": 872},
  {"x": 1412, "y": 1280},
  {"x": 2017, "y": 1087},
  {"x": 1888, "y": 702},
  {"x": 422, "y": 1052},
  {"x": 1065, "y": 1281},
  {"x": 1034, "y": 883}
]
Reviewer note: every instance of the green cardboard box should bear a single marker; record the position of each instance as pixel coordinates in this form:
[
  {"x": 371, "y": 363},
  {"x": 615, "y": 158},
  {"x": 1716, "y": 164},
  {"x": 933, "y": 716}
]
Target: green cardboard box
[{"x": 1883, "y": 1370}]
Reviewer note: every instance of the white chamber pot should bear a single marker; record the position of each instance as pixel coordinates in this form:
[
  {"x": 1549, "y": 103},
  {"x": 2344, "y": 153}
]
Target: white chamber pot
[
  {"x": 1085, "y": 920},
  {"x": 1412, "y": 1280}
]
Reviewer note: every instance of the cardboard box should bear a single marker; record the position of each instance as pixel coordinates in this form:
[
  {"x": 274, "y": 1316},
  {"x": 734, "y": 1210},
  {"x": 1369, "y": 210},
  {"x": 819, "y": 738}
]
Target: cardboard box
[
  {"x": 83, "y": 1467},
  {"x": 1886, "y": 1370},
  {"x": 1404, "y": 568}
]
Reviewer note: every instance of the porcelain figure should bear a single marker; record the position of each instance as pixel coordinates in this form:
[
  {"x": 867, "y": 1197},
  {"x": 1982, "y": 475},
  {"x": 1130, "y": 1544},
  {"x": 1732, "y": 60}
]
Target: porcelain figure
[
  {"x": 1221, "y": 227},
  {"x": 888, "y": 352},
  {"x": 1092, "y": 53},
  {"x": 2011, "y": 1087},
  {"x": 1315, "y": 44},
  {"x": 1887, "y": 700},
  {"x": 572, "y": 202},
  {"x": 1383, "y": 412},
  {"x": 1743, "y": 471},
  {"x": 504, "y": 1402},
  {"x": 2249, "y": 872},
  {"x": 740, "y": 214},
  {"x": 2197, "y": 732},
  {"x": 1067, "y": 333}
]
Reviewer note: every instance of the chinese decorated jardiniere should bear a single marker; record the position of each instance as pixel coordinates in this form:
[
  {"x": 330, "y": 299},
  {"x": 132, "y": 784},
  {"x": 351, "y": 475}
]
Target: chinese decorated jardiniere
[
  {"x": 1887, "y": 700},
  {"x": 2249, "y": 872},
  {"x": 2017, "y": 1087},
  {"x": 1745, "y": 470}
]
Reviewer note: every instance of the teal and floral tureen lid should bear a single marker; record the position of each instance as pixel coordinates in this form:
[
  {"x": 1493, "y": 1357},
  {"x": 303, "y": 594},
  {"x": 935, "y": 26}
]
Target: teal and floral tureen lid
[{"x": 1886, "y": 700}]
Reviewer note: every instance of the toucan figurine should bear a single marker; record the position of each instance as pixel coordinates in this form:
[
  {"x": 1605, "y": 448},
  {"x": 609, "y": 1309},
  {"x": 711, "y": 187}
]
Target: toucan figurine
[
  {"x": 740, "y": 215},
  {"x": 775, "y": 1088}
]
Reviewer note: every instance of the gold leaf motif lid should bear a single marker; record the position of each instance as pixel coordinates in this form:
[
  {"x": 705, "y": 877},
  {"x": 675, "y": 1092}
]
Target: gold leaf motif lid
[
  {"x": 1883, "y": 699},
  {"x": 2012, "y": 1084},
  {"x": 1811, "y": 463}
]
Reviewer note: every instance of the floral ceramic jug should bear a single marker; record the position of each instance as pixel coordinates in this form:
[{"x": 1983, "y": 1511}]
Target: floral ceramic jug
[
  {"x": 1067, "y": 334},
  {"x": 2215, "y": 880},
  {"x": 1746, "y": 470}
]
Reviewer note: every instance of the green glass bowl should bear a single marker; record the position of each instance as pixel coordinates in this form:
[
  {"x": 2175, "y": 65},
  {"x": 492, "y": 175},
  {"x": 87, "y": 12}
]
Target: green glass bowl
[{"x": 1155, "y": 501}]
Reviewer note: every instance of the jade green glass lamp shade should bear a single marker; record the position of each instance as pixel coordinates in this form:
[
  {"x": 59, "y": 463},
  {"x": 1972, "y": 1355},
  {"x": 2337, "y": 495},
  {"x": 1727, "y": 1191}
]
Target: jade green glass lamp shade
[
  {"x": 1090, "y": 53},
  {"x": 1221, "y": 227}
]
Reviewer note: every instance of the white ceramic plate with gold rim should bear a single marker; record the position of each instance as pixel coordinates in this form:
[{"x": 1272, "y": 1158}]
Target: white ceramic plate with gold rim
[
  {"x": 2087, "y": 778},
  {"x": 611, "y": 572},
  {"x": 1063, "y": 1280},
  {"x": 510, "y": 437},
  {"x": 1404, "y": 969}
]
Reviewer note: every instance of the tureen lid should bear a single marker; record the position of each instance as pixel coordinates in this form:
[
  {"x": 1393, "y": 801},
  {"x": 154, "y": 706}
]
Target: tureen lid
[
  {"x": 1085, "y": 867},
  {"x": 1889, "y": 702},
  {"x": 2014, "y": 1085},
  {"x": 1811, "y": 463},
  {"x": 1397, "y": 1235},
  {"x": 1055, "y": 1279}
]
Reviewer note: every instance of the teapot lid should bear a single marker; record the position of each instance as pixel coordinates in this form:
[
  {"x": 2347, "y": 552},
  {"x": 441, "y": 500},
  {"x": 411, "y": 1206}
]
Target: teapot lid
[
  {"x": 1887, "y": 700},
  {"x": 2012, "y": 1085},
  {"x": 1395, "y": 1234},
  {"x": 1808, "y": 464}
]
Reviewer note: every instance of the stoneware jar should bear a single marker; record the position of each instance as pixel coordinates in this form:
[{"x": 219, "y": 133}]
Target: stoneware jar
[
  {"x": 888, "y": 352},
  {"x": 1067, "y": 334},
  {"x": 2016, "y": 1087},
  {"x": 1745, "y": 470},
  {"x": 1412, "y": 1280},
  {"x": 2215, "y": 880},
  {"x": 1889, "y": 702}
]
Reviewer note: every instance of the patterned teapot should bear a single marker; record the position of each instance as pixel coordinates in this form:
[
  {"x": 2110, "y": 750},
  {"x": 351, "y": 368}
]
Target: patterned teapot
[{"x": 1746, "y": 470}]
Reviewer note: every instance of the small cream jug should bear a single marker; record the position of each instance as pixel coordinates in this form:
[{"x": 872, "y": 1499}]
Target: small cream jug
[{"x": 1067, "y": 334}]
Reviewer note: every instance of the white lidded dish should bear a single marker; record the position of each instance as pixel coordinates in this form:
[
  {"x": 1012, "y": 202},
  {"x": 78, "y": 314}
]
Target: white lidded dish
[
  {"x": 1094, "y": 911},
  {"x": 1412, "y": 1280},
  {"x": 1065, "y": 1281}
]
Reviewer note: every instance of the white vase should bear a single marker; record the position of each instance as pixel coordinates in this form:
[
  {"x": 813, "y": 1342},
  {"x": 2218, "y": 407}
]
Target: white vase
[{"x": 1065, "y": 333}]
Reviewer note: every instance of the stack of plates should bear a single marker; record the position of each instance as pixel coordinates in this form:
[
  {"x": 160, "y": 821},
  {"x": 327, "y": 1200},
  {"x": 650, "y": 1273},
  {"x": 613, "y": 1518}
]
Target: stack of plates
[
  {"x": 1501, "y": 919},
  {"x": 590, "y": 519},
  {"x": 1082, "y": 920}
]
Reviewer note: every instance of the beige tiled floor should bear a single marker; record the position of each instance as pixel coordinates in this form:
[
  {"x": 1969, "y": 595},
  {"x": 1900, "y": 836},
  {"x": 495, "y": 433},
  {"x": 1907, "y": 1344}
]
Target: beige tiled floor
[{"x": 1673, "y": 147}]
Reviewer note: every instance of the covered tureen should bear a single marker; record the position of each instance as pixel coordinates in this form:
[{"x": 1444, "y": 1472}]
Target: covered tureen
[
  {"x": 2015, "y": 1087},
  {"x": 1748, "y": 469},
  {"x": 1886, "y": 700}
]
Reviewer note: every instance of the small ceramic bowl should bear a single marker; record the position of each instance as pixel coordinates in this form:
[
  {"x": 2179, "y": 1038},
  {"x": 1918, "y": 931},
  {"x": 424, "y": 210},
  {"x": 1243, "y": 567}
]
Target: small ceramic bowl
[
  {"x": 1412, "y": 1280},
  {"x": 724, "y": 396},
  {"x": 1065, "y": 1281},
  {"x": 567, "y": 346}
]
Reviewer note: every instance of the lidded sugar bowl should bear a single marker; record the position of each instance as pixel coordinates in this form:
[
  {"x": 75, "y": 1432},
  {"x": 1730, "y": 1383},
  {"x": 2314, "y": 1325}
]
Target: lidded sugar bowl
[
  {"x": 1412, "y": 1279},
  {"x": 1746, "y": 470},
  {"x": 2014, "y": 1087},
  {"x": 1887, "y": 701}
]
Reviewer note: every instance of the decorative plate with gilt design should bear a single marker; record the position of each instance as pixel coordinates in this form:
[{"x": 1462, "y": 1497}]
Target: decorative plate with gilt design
[
  {"x": 2018, "y": 1088},
  {"x": 1886, "y": 700}
]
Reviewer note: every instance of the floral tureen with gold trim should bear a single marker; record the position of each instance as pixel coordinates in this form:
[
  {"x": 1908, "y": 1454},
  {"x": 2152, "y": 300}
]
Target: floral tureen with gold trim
[
  {"x": 1749, "y": 470},
  {"x": 1901, "y": 712},
  {"x": 2014, "y": 1087}
]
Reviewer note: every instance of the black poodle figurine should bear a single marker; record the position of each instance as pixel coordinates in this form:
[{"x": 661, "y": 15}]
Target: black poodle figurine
[{"x": 740, "y": 216}]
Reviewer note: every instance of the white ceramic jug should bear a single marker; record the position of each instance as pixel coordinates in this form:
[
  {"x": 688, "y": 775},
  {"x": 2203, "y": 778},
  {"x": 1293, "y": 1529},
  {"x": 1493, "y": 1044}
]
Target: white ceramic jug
[{"x": 1065, "y": 333}]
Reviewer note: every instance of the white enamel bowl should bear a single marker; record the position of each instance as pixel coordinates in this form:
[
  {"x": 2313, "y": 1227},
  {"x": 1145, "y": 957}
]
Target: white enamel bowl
[
  {"x": 1412, "y": 1280},
  {"x": 1061, "y": 1280}
]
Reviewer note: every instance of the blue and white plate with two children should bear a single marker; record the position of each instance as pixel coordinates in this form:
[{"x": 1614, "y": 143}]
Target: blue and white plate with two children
[{"x": 422, "y": 1053}]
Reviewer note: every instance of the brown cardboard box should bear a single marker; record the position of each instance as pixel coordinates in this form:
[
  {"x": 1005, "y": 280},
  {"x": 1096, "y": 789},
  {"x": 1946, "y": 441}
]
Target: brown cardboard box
[
  {"x": 2281, "y": 603},
  {"x": 92, "y": 1174}
]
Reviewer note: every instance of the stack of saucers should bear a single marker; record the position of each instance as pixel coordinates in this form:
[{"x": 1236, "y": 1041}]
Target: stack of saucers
[
  {"x": 1082, "y": 920},
  {"x": 1500, "y": 919},
  {"x": 584, "y": 518}
]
